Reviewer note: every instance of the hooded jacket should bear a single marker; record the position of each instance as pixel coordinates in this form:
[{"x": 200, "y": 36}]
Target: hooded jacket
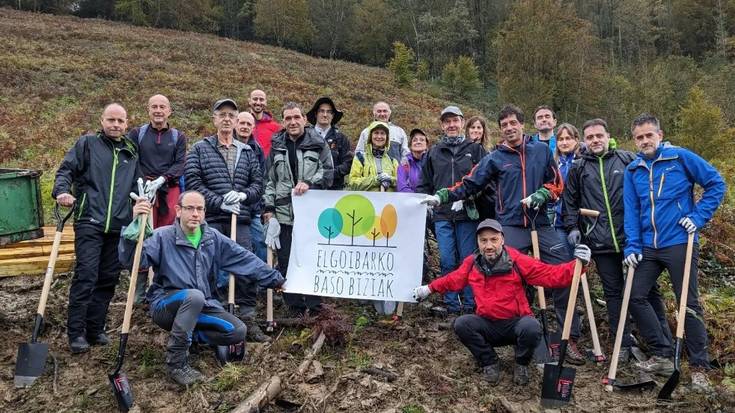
[
  {"x": 519, "y": 172},
  {"x": 206, "y": 172},
  {"x": 313, "y": 166},
  {"x": 444, "y": 167},
  {"x": 100, "y": 173},
  {"x": 659, "y": 192},
  {"x": 596, "y": 182},
  {"x": 500, "y": 294},
  {"x": 409, "y": 173},
  {"x": 264, "y": 129},
  {"x": 398, "y": 140},
  {"x": 178, "y": 265}
]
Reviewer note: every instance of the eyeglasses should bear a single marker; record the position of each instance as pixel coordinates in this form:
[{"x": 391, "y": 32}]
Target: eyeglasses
[
  {"x": 189, "y": 208},
  {"x": 325, "y": 111},
  {"x": 223, "y": 115}
]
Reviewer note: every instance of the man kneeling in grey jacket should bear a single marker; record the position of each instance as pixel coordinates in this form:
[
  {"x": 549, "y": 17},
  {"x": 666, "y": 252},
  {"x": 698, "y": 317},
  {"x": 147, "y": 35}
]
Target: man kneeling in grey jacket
[{"x": 186, "y": 258}]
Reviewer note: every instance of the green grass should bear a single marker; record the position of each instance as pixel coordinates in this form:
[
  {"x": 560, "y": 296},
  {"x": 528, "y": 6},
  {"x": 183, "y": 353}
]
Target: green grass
[{"x": 230, "y": 376}]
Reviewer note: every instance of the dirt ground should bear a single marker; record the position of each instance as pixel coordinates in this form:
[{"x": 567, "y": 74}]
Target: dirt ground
[{"x": 432, "y": 371}]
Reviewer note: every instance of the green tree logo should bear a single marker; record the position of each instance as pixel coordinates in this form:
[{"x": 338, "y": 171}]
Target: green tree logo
[{"x": 354, "y": 216}]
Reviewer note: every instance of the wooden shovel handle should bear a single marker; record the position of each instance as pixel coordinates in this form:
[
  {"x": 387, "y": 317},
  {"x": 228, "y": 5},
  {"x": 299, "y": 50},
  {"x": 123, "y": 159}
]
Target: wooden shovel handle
[
  {"x": 269, "y": 296},
  {"x": 621, "y": 326},
  {"x": 572, "y": 300},
  {"x": 685, "y": 287},
  {"x": 142, "y": 221},
  {"x": 233, "y": 236},
  {"x": 537, "y": 255},
  {"x": 589, "y": 212},
  {"x": 49, "y": 277},
  {"x": 150, "y": 269},
  {"x": 591, "y": 316}
]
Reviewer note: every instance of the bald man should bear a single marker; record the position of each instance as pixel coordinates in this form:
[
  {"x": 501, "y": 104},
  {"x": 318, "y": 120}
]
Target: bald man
[
  {"x": 383, "y": 113},
  {"x": 97, "y": 174},
  {"x": 265, "y": 124}
]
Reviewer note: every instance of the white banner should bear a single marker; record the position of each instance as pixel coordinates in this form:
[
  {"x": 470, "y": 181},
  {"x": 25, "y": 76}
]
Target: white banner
[{"x": 363, "y": 245}]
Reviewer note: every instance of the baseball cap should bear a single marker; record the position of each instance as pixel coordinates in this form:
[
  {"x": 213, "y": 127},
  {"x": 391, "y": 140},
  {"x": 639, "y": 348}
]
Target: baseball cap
[
  {"x": 222, "y": 102},
  {"x": 451, "y": 110},
  {"x": 489, "y": 224}
]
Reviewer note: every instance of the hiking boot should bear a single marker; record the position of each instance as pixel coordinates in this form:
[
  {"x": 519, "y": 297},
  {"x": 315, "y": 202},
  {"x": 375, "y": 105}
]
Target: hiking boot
[
  {"x": 78, "y": 345},
  {"x": 624, "y": 356},
  {"x": 491, "y": 373},
  {"x": 100, "y": 339},
  {"x": 573, "y": 354},
  {"x": 661, "y": 366},
  {"x": 700, "y": 383},
  {"x": 185, "y": 375},
  {"x": 255, "y": 334},
  {"x": 520, "y": 375}
]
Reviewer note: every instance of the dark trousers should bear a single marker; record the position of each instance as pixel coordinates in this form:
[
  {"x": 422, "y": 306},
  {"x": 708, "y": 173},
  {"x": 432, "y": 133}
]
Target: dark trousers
[
  {"x": 610, "y": 269},
  {"x": 96, "y": 273},
  {"x": 246, "y": 290},
  {"x": 480, "y": 335},
  {"x": 646, "y": 277},
  {"x": 554, "y": 249},
  {"x": 297, "y": 302},
  {"x": 183, "y": 313}
]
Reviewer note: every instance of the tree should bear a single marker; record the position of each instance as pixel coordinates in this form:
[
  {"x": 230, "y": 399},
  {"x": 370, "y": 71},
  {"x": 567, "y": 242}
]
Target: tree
[
  {"x": 461, "y": 77},
  {"x": 701, "y": 127},
  {"x": 286, "y": 22},
  {"x": 401, "y": 64},
  {"x": 330, "y": 19},
  {"x": 370, "y": 40},
  {"x": 388, "y": 222},
  {"x": 330, "y": 224},
  {"x": 357, "y": 213},
  {"x": 446, "y": 34}
]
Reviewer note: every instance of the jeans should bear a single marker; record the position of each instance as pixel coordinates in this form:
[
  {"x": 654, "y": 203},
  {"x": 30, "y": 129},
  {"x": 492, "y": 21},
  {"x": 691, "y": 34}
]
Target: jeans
[
  {"x": 554, "y": 249},
  {"x": 257, "y": 236},
  {"x": 480, "y": 335},
  {"x": 645, "y": 315},
  {"x": 456, "y": 241}
]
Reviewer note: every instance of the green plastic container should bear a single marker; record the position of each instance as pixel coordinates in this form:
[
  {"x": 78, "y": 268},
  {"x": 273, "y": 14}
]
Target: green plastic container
[{"x": 21, "y": 213}]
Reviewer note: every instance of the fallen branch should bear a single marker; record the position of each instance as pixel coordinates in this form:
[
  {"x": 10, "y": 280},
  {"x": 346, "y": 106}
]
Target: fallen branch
[
  {"x": 260, "y": 397},
  {"x": 385, "y": 374},
  {"x": 309, "y": 357}
]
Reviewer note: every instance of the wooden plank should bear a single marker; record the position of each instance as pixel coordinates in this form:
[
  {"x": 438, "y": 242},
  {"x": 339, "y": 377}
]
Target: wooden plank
[
  {"x": 35, "y": 265},
  {"x": 24, "y": 251}
]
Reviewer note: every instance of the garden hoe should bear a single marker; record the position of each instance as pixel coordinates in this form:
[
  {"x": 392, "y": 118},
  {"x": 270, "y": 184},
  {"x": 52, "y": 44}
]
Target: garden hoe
[
  {"x": 558, "y": 381},
  {"x": 31, "y": 360},
  {"x": 236, "y": 351},
  {"x": 673, "y": 381},
  {"x": 610, "y": 382},
  {"x": 118, "y": 379}
]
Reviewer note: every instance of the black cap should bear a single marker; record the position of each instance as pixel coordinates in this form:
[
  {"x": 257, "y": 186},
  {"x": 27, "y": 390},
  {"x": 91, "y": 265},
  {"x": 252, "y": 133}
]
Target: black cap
[
  {"x": 311, "y": 115},
  {"x": 415, "y": 131},
  {"x": 489, "y": 224},
  {"x": 224, "y": 102}
]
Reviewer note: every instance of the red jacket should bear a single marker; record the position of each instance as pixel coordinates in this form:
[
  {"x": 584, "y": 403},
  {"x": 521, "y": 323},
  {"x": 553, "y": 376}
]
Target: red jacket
[
  {"x": 501, "y": 296},
  {"x": 264, "y": 130}
]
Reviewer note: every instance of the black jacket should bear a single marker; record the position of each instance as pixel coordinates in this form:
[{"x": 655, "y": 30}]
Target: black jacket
[
  {"x": 206, "y": 172},
  {"x": 257, "y": 208},
  {"x": 342, "y": 156},
  {"x": 444, "y": 168},
  {"x": 100, "y": 173},
  {"x": 597, "y": 183}
]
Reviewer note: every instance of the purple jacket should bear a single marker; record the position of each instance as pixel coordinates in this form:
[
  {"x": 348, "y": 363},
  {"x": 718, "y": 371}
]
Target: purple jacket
[{"x": 409, "y": 173}]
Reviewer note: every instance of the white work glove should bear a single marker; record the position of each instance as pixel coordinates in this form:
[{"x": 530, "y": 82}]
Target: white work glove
[
  {"x": 134, "y": 196},
  {"x": 141, "y": 187},
  {"x": 230, "y": 208},
  {"x": 420, "y": 293},
  {"x": 431, "y": 201},
  {"x": 574, "y": 237},
  {"x": 272, "y": 231},
  {"x": 457, "y": 205},
  {"x": 151, "y": 187},
  {"x": 688, "y": 225},
  {"x": 583, "y": 253},
  {"x": 632, "y": 260},
  {"x": 234, "y": 197}
]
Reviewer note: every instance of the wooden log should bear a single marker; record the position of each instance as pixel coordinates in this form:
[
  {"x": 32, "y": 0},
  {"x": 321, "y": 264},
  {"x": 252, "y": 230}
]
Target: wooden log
[
  {"x": 260, "y": 397},
  {"x": 21, "y": 250},
  {"x": 34, "y": 265},
  {"x": 314, "y": 351}
]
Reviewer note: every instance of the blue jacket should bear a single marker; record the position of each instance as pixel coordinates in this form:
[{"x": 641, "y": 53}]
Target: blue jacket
[
  {"x": 659, "y": 192},
  {"x": 178, "y": 265},
  {"x": 518, "y": 172},
  {"x": 552, "y": 142},
  {"x": 565, "y": 163}
]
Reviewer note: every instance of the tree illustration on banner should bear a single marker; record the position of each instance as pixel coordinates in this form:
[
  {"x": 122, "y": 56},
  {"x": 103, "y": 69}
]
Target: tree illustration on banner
[
  {"x": 357, "y": 213},
  {"x": 330, "y": 224},
  {"x": 388, "y": 222},
  {"x": 376, "y": 231}
]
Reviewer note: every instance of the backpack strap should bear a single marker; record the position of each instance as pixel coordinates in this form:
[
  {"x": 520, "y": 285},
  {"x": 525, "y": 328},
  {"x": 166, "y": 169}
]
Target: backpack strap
[
  {"x": 144, "y": 129},
  {"x": 361, "y": 157}
]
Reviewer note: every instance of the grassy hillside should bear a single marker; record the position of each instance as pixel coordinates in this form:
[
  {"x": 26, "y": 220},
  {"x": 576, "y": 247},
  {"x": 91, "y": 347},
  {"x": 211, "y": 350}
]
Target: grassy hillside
[{"x": 56, "y": 73}]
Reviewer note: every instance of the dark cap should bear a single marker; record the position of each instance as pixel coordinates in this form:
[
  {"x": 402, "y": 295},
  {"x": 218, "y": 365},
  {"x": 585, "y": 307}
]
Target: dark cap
[
  {"x": 489, "y": 224},
  {"x": 415, "y": 131},
  {"x": 451, "y": 110},
  {"x": 224, "y": 102}
]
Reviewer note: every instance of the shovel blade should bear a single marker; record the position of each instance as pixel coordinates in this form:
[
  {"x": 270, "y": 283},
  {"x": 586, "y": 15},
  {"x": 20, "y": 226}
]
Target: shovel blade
[
  {"x": 232, "y": 353},
  {"x": 122, "y": 391},
  {"x": 542, "y": 353},
  {"x": 30, "y": 363},
  {"x": 557, "y": 385},
  {"x": 671, "y": 383}
]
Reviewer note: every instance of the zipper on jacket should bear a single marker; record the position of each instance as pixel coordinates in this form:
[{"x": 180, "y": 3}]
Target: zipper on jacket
[
  {"x": 660, "y": 185},
  {"x": 81, "y": 205},
  {"x": 115, "y": 153},
  {"x": 607, "y": 205},
  {"x": 653, "y": 206}
]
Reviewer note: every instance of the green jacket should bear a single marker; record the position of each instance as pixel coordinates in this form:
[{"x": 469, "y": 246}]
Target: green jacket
[
  {"x": 364, "y": 172},
  {"x": 313, "y": 166}
]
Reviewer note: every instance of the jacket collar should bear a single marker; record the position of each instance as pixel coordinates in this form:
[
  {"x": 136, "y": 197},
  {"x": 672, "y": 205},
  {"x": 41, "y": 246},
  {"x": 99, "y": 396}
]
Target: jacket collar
[
  {"x": 503, "y": 265},
  {"x": 312, "y": 140},
  {"x": 664, "y": 152},
  {"x": 183, "y": 241}
]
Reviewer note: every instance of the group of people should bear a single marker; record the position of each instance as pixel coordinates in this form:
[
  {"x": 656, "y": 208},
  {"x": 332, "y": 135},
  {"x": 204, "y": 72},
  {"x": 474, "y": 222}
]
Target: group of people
[{"x": 485, "y": 200}]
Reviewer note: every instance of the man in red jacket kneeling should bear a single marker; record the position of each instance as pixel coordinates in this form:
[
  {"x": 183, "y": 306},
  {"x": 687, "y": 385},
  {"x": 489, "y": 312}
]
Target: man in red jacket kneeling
[{"x": 503, "y": 317}]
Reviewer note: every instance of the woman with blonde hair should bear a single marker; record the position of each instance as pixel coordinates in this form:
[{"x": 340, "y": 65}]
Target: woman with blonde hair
[{"x": 567, "y": 150}]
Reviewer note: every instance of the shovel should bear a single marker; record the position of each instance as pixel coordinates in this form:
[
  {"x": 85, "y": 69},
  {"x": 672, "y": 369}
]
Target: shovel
[
  {"x": 597, "y": 355},
  {"x": 270, "y": 325},
  {"x": 558, "y": 381},
  {"x": 118, "y": 379},
  {"x": 542, "y": 354},
  {"x": 610, "y": 381},
  {"x": 31, "y": 360},
  {"x": 673, "y": 381},
  {"x": 236, "y": 351}
]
